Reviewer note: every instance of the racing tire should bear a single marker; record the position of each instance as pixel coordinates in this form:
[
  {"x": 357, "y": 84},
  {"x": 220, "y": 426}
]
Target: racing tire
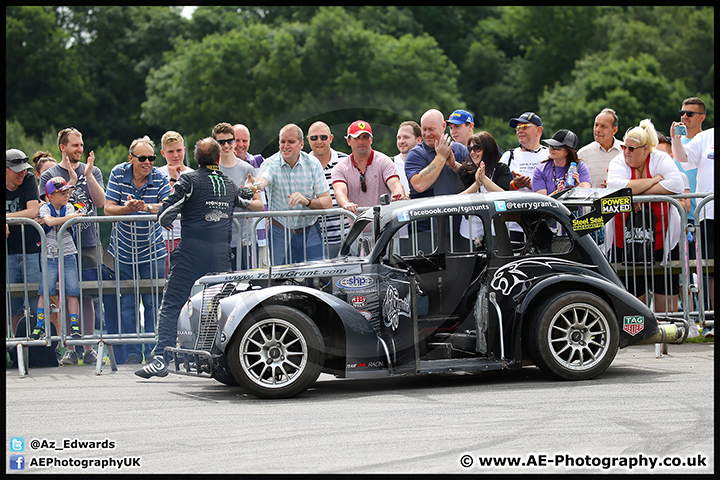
[
  {"x": 276, "y": 352},
  {"x": 573, "y": 336}
]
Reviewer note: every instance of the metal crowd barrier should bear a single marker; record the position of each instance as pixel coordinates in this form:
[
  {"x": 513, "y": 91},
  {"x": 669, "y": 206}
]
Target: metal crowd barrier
[{"x": 694, "y": 276}]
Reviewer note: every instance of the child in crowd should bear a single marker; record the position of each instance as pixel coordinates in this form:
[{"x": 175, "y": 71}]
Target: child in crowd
[{"x": 53, "y": 215}]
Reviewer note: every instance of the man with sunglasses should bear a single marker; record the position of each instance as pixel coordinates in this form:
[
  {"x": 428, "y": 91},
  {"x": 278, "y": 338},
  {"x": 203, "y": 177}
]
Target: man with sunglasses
[
  {"x": 136, "y": 187},
  {"x": 361, "y": 178},
  {"x": 87, "y": 196},
  {"x": 523, "y": 159},
  {"x": 238, "y": 170},
  {"x": 692, "y": 114},
  {"x": 320, "y": 139}
]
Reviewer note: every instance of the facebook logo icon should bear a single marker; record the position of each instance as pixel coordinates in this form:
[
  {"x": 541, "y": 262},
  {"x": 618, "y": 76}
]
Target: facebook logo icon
[{"x": 17, "y": 462}]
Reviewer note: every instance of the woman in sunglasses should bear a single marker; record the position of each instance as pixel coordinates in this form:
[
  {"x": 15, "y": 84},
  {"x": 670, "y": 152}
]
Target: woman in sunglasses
[
  {"x": 647, "y": 171},
  {"x": 552, "y": 175},
  {"x": 483, "y": 150}
]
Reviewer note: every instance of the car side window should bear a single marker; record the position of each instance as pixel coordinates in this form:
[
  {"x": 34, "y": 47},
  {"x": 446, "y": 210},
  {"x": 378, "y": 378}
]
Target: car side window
[{"x": 529, "y": 234}]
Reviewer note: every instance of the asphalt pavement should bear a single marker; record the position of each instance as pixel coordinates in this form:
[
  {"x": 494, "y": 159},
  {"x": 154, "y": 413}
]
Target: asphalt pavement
[{"x": 643, "y": 415}]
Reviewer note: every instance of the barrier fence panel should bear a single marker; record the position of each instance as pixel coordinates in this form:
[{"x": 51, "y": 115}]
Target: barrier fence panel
[{"x": 129, "y": 293}]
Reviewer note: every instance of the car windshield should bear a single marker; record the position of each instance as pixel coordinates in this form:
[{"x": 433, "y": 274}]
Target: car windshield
[{"x": 359, "y": 240}]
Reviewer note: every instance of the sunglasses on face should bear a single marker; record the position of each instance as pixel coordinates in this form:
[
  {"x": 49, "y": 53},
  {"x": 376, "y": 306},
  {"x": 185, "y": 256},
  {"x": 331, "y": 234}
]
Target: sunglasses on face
[
  {"x": 475, "y": 148},
  {"x": 143, "y": 158},
  {"x": 556, "y": 148},
  {"x": 314, "y": 138},
  {"x": 524, "y": 126},
  {"x": 229, "y": 141},
  {"x": 631, "y": 149},
  {"x": 363, "y": 185},
  {"x": 688, "y": 113}
]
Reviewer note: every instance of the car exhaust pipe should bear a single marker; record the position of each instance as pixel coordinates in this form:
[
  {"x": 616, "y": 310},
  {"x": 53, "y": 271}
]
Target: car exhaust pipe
[{"x": 667, "y": 333}]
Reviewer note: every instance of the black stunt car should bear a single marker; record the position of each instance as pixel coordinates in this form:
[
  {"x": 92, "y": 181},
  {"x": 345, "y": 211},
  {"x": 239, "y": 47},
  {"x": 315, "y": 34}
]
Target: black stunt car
[{"x": 452, "y": 284}]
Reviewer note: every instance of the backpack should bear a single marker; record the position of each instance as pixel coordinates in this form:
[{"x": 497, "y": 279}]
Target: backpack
[{"x": 54, "y": 213}]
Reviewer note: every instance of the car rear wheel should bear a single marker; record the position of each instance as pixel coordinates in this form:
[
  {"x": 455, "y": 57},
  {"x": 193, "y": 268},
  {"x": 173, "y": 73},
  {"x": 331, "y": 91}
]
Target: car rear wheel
[
  {"x": 276, "y": 352},
  {"x": 574, "y": 336}
]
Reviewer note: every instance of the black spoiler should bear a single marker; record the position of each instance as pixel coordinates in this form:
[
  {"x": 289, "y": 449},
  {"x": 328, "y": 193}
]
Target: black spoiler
[{"x": 605, "y": 203}]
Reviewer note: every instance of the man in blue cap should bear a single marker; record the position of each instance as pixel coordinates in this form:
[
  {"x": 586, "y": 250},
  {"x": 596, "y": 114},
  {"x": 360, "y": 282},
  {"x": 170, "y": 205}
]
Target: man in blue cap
[{"x": 462, "y": 126}]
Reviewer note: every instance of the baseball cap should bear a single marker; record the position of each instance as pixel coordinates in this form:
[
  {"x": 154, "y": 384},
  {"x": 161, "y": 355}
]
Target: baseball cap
[
  {"x": 564, "y": 138},
  {"x": 16, "y": 160},
  {"x": 458, "y": 117},
  {"x": 358, "y": 127},
  {"x": 56, "y": 184},
  {"x": 527, "y": 117}
]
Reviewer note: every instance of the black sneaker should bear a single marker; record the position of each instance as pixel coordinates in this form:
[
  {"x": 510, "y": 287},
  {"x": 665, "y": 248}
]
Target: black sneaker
[
  {"x": 157, "y": 368},
  {"x": 37, "y": 333}
]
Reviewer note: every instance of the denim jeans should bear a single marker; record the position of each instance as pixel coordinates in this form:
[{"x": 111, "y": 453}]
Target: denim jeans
[
  {"x": 16, "y": 267},
  {"x": 150, "y": 302},
  {"x": 70, "y": 273},
  {"x": 303, "y": 247}
]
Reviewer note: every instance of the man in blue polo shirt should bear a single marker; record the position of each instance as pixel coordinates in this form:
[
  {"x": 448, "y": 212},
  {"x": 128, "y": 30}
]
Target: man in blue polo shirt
[
  {"x": 431, "y": 166},
  {"x": 136, "y": 187}
]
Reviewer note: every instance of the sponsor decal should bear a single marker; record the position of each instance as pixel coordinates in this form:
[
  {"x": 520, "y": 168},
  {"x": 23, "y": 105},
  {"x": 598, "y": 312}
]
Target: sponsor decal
[
  {"x": 365, "y": 314},
  {"x": 215, "y": 216},
  {"x": 403, "y": 216},
  {"x": 588, "y": 223},
  {"x": 500, "y": 206},
  {"x": 259, "y": 274},
  {"x": 393, "y": 307},
  {"x": 358, "y": 301},
  {"x": 509, "y": 276},
  {"x": 356, "y": 281},
  {"x": 634, "y": 324},
  {"x": 379, "y": 364},
  {"x": 615, "y": 205}
]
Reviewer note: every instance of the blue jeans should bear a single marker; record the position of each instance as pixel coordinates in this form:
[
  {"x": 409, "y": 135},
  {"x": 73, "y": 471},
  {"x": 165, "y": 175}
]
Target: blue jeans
[
  {"x": 150, "y": 301},
  {"x": 70, "y": 272},
  {"x": 16, "y": 267},
  {"x": 303, "y": 247}
]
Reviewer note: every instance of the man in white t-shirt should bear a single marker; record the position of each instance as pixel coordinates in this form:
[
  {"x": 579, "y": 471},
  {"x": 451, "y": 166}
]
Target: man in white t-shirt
[
  {"x": 523, "y": 159},
  {"x": 172, "y": 148},
  {"x": 700, "y": 153}
]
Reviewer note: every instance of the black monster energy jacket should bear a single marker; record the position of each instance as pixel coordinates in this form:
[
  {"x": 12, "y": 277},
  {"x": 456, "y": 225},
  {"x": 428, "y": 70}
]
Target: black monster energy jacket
[{"x": 205, "y": 199}]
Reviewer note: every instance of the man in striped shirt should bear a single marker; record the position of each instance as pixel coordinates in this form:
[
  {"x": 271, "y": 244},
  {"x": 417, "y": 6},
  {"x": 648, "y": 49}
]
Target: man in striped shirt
[
  {"x": 294, "y": 181},
  {"x": 136, "y": 187},
  {"x": 320, "y": 139}
]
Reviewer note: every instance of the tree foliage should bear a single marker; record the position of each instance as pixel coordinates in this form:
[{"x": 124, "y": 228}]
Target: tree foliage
[{"x": 120, "y": 72}]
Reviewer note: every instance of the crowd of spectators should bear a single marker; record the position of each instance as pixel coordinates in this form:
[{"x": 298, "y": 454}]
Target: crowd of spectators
[{"x": 430, "y": 162}]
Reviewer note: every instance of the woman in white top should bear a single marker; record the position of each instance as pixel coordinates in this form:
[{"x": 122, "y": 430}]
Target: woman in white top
[{"x": 647, "y": 171}]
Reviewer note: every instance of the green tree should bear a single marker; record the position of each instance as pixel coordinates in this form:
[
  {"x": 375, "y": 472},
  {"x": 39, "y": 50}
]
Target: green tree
[
  {"x": 39, "y": 71},
  {"x": 634, "y": 87}
]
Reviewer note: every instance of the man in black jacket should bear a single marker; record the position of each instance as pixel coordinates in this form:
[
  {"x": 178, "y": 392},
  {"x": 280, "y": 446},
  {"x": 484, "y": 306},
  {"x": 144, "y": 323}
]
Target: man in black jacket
[{"x": 206, "y": 198}]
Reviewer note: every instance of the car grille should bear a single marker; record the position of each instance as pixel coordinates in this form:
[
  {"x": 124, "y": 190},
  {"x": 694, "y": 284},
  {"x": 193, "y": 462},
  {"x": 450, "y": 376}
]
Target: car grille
[{"x": 208, "y": 328}]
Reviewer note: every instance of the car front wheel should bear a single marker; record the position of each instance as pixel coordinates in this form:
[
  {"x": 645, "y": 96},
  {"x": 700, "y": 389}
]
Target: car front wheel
[
  {"x": 574, "y": 336},
  {"x": 276, "y": 352}
]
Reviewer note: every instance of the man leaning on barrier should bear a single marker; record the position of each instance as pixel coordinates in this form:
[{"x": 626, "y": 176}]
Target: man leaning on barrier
[
  {"x": 206, "y": 199},
  {"x": 136, "y": 187}
]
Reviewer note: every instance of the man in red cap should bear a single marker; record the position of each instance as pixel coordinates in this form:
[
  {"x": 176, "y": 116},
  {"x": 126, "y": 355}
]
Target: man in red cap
[{"x": 361, "y": 178}]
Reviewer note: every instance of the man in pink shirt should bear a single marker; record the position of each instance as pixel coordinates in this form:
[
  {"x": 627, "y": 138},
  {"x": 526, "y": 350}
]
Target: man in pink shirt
[{"x": 360, "y": 179}]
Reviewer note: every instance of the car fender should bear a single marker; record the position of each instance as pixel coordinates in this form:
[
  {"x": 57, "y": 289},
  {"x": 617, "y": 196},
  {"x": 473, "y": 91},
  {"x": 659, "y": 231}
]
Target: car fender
[
  {"x": 362, "y": 345},
  {"x": 621, "y": 301}
]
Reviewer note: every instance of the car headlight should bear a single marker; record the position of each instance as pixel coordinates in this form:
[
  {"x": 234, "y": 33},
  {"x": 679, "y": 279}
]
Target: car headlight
[
  {"x": 190, "y": 308},
  {"x": 219, "y": 312}
]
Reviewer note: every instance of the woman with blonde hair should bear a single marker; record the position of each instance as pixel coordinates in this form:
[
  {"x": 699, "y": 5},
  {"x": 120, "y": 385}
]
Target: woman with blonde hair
[{"x": 647, "y": 171}]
